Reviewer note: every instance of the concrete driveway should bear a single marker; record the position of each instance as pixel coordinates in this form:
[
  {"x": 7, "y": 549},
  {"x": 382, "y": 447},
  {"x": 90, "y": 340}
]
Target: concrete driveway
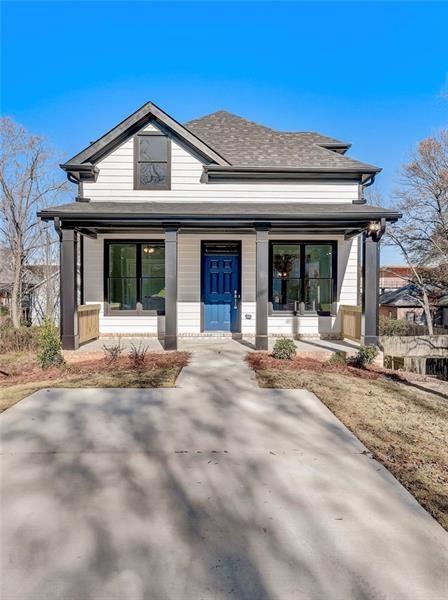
[{"x": 212, "y": 490}]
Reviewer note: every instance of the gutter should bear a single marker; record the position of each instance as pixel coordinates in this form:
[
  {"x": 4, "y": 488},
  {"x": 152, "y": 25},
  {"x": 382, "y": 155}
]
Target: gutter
[{"x": 219, "y": 172}]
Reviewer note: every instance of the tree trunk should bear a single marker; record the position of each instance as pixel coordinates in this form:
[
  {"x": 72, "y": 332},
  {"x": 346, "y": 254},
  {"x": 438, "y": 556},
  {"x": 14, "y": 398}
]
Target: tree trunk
[
  {"x": 427, "y": 310},
  {"x": 16, "y": 293}
]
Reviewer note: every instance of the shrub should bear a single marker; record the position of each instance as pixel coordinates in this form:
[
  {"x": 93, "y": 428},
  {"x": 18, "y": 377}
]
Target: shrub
[
  {"x": 338, "y": 358},
  {"x": 49, "y": 349},
  {"x": 365, "y": 356},
  {"x": 393, "y": 326},
  {"x": 22, "y": 339},
  {"x": 137, "y": 355},
  {"x": 113, "y": 352},
  {"x": 284, "y": 349}
]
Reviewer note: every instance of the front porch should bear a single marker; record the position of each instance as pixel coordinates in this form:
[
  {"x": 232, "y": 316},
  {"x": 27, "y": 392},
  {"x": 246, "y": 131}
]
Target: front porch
[
  {"x": 318, "y": 348},
  {"x": 252, "y": 271}
]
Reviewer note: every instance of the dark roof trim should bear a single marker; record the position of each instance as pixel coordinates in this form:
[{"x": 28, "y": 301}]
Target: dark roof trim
[
  {"x": 131, "y": 125},
  {"x": 353, "y": 218},
  {"x": 225, "y": 172}
]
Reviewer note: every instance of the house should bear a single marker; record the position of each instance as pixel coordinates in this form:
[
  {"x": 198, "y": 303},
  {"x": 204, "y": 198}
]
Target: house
[
  {"x": 402, "y": 303},
  {"x": 40, "y": 289},
  {"x": 394, "y": 277},
  {"x": 218, "y": 225}
]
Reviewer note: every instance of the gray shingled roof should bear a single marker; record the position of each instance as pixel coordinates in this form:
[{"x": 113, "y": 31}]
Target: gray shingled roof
[
  {"x": 404, "y": 296},
  {"x": 244, "y": 143}
]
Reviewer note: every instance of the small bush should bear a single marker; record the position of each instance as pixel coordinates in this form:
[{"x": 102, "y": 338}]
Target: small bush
[
  {"x": 338, "y": 358},
  {"x": 49, "y": 352},
  {"x": 284, "y": 349},
  {"x": 137, "y": 355},
  {"x": 365, "y": 356},
  {"x": 113, "y": 352},
  {"x": 22, "y": 339},
  {"x": 393, "y": 326}
]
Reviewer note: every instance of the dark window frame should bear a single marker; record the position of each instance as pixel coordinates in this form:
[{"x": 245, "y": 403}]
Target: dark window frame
[
  {"x": 108, "y": 312},
  {"x": 137, "y": 161},
  {"x": 302, "y": 244}
]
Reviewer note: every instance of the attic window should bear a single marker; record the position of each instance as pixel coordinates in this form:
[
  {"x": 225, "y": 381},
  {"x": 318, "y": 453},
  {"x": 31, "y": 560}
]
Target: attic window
[{"x": 152, "y": 162}]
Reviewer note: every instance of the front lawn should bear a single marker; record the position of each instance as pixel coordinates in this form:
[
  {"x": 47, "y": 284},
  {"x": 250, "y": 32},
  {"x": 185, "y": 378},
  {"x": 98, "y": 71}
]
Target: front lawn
[
  {"x": 402, "y": 419},
  {"x": 20, "y": 375}
]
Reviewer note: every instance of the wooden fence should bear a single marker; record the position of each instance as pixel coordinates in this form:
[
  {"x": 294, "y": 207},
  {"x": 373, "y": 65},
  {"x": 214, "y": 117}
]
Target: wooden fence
[
  {"x": 88, "y": 322},
  {"x": 351, "y": 322}
]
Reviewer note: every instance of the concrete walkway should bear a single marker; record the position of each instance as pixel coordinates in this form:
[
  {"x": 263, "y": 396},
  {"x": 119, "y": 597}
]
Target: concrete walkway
[{"x": 214, "y": 490}]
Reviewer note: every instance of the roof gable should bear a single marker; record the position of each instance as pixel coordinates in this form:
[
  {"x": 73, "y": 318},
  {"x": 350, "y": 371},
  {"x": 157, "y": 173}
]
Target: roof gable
[{"x": 127, "y": 128}]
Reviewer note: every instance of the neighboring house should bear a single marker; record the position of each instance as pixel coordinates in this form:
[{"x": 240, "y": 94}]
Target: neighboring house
[
  {"x": 6, "y": 277},
  {"x": 402, "y": 303},
  {"x": 219, "y": 225},
  {"x": 392, "y": 278},
  {"x": 43, "y": 296},
  {"x": 40, "y": 289}
]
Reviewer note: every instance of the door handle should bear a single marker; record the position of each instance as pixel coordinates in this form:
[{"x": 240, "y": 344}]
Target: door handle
[{"x": 235, "y": 299}]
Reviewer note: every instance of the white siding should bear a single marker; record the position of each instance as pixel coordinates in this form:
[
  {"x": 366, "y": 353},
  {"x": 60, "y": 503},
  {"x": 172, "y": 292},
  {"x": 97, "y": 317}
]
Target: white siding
[
  {"x": 189, "y": 287},
  {"x": 115, "y": 182}
]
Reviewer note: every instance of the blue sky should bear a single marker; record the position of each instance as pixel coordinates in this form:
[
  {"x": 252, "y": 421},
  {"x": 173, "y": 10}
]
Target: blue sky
[{"x": 372, "y": 73}]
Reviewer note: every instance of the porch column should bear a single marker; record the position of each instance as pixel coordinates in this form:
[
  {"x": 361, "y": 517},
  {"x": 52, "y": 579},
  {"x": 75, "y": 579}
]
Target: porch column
[
  {"x": 370, "y": 290},
  {"x": 171, "y": 288},
  {"x": 68, "y": 286},
  {"x": 262, "y": 287}
]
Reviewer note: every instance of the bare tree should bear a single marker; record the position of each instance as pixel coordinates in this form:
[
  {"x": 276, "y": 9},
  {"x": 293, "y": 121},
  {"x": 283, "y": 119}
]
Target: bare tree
[
  {"x": 28, "y": 181},
  {"x": 422, "y": 234}
]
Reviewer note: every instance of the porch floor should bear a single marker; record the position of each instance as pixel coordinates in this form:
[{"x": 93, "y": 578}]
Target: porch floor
[{"x": 307, "y": 347}]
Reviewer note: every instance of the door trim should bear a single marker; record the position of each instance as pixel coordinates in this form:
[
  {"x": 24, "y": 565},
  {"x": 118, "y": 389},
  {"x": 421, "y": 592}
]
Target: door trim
[{"x": 237, "y": 244}]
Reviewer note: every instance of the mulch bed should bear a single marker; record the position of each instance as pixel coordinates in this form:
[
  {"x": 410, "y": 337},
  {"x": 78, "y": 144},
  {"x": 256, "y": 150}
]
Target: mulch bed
[
  {"x": 26, "y": 369},
  {"x": 263, "y": 361},
  {"x": 260, "y": 361}
]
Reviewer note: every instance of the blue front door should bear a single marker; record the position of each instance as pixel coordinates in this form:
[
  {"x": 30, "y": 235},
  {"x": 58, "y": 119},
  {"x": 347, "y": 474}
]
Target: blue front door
[{"x": 221, "y": 292}]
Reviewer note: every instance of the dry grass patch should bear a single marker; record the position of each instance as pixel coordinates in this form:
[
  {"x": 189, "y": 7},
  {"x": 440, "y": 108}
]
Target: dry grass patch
[
  {"x": 403, "y": 422},
  {"x": 24, "y": 376}
]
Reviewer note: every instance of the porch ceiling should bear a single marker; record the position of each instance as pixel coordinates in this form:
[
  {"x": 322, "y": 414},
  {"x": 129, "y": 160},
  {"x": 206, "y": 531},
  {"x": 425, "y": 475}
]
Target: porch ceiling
[{"x": 97, "y": 217}]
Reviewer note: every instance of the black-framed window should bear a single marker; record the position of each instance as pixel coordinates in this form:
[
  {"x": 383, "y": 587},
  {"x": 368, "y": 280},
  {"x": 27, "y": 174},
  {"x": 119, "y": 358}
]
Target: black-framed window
[
  {"x": 303, "y": 276},
  {"x": 134, "y": 277},
  {"x": 152, "y": 161}
]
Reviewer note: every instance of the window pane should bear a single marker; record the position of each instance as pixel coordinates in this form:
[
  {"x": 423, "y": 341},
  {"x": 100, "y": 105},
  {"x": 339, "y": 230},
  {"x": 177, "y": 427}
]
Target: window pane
[
  {"x": 122, "y": 260},
  {"x": 286, "y": 260},
  {"x": 285, "y": 276},
  {"x": 285, "y": 292},
  {"x": 318, "y": 294},
  {"x": 153, "y": 147},
  {"x": 123, "y": 293},
  {"x": 152, "y": 174},
  {"x": 318, "y": 260},
  {"x": 153, "y": 294},
  {"x": 153, "y": 260}
]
